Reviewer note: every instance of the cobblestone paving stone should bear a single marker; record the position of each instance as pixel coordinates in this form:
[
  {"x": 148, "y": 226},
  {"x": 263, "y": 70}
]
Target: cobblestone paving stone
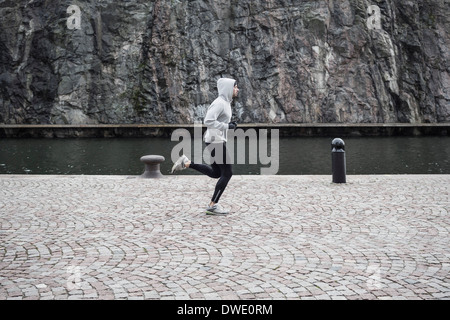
[{"x": 288, "y": 237}]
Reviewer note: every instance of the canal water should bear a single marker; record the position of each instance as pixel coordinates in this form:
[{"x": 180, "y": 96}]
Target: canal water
[{"x": 297, "y": 156}]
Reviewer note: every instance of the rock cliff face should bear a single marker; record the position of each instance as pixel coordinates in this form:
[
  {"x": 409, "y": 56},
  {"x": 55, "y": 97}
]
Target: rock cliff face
[{"x": 296, "y": 61}]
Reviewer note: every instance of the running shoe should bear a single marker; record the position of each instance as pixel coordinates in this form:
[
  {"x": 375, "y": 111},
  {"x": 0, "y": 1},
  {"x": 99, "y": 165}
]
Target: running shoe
[
  {"x": 216, "y": 210},
  {"x": 179, "y": 165}
]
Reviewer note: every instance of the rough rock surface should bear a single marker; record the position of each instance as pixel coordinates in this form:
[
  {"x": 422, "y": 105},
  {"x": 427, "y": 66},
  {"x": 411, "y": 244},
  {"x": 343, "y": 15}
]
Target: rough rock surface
[{"x": 158, "y": 61}]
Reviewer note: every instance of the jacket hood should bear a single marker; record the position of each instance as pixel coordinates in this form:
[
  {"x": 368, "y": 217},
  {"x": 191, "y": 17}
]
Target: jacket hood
[{"x": 225, "y": 87}]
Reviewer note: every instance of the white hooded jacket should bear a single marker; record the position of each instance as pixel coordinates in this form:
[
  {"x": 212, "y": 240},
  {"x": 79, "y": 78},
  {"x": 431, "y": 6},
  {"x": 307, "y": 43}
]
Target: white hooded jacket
[{"x": 218, "y": 115}]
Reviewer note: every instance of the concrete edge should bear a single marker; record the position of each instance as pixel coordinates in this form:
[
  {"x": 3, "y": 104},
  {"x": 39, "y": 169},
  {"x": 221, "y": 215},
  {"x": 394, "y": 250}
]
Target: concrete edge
[
  {"x": 165, "y": 130},
  {"x": 310, "y": 176}
]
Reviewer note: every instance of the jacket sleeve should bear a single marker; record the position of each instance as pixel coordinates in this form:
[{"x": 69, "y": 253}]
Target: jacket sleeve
[{"x": 211, "y": 117}]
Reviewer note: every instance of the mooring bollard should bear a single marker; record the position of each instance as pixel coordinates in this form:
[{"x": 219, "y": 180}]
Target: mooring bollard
[
  {"x": 338, "y": 166},
  {"x": 152, "y": 166}
]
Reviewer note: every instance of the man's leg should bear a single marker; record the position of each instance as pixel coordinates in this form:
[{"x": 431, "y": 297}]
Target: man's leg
[
  {"x": 212, "y": 171},
  {"x": 226, "y": 172}
]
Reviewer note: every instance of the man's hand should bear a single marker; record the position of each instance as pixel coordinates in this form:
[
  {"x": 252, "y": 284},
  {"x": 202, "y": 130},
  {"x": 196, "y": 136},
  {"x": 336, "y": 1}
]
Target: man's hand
[{"x": 232, "y": 125}]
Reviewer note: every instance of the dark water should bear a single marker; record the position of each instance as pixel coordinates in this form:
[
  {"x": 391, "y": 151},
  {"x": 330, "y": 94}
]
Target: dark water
[{"x": 379, "y": 155}]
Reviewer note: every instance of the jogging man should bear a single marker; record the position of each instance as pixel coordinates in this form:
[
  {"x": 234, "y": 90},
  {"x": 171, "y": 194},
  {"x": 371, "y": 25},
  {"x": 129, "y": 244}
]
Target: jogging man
[{"x": 217, "y": 121}]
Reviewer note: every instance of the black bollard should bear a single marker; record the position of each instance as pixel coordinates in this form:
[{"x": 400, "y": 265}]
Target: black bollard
[
  {"x": 338, "y": 166},
  {"x": 152, "y": 166}
]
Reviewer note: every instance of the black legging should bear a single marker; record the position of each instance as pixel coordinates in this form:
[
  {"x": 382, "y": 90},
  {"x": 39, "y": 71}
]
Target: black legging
[{"x": 220, "y": 169}]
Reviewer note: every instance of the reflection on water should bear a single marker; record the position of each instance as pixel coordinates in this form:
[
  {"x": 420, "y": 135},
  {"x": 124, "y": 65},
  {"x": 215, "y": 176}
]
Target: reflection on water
[{"x": 120, "y": 156}]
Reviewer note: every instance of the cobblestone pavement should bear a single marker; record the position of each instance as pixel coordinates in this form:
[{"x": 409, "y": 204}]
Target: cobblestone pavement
[{"x": 288, "y": 237}]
